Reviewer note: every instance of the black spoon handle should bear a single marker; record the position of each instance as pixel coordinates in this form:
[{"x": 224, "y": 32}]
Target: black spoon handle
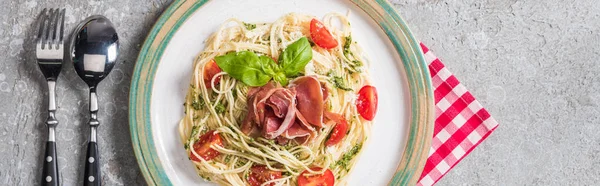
[
  {"x": 92, "y": 175},
  {"x": 50, "y": 171},
  {"x": 92, "y": 166}
]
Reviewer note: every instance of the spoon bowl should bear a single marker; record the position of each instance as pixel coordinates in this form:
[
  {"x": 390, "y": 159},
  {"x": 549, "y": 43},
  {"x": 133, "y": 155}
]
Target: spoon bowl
[{"x": 94, "y": 48}]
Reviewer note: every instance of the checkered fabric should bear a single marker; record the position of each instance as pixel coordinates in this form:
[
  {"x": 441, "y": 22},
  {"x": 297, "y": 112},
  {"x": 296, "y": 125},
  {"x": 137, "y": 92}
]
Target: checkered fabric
[{"x": 461, "y": 122}]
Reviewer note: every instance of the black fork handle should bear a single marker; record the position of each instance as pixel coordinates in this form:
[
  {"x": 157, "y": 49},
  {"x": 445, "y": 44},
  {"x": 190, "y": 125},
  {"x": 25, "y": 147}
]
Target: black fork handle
[
  {"x": 50, "y": 171},
  {"x": 50, "y": 176}
]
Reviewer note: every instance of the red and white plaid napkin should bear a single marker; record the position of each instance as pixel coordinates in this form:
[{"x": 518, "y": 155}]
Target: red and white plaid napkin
[{"x": 461, "y": 122}]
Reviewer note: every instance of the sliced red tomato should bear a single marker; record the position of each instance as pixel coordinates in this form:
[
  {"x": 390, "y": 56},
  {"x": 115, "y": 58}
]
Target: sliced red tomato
[
  {"x": 210, "y": 70},
  {"x": 366, "y": 104},
  {"x": 321, "y": 36},
  {"x": 339, "y": 130},
  {"x": 325, "y": 179},
  {"x": 202, "y": 146},
  {"x": 260, "y": 174}
]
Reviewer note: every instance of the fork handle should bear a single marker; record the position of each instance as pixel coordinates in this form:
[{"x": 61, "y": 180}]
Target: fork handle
[
  {"x": 50, "y": 174},
  {"x": 92, "y": 166},
  {"x": 50, "y": 171}
]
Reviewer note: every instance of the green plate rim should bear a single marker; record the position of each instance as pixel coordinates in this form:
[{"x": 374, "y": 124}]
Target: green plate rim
[{"x": 417, "y": 73}]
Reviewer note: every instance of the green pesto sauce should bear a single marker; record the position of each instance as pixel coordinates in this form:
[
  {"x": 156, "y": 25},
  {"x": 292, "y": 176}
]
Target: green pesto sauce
[
  {"x": 344, "y": 161},
  {"x": 198, "y": 103},
  {"x": 250, "y": 26},
  {"x": 338, "y": 82},
  {"x": 347, "y": 43},
  {"x": 220, "y": 108}
]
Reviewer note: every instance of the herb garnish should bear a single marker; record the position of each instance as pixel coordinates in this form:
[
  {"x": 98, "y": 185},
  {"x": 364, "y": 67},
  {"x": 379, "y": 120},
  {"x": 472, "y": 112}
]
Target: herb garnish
[
  {"x": 356, "y": 64},
  {"x": 220, "y": 108},
  {"x": 198, "y": 103},
  {"x": 245, "y": 66},
  {"x": 338, "y": 82},
  {"x": 255, "y": 70},
  {"x": 347, "y": 43},
  {"x": 196, "y": 130},
  {"x": 250, "y": 26},
  {"x": 347, "y": 157},
  {"x": 295, "y": 57},
  {"x": 204, "y": 177}
]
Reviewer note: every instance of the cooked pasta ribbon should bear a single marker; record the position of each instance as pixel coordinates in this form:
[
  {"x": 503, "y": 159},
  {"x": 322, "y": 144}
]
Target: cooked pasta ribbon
[{"x": 221, "y": 106}]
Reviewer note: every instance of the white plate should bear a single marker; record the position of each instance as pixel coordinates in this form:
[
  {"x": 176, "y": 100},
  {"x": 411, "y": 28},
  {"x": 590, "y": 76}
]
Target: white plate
[{"x": 163, "y": 73}]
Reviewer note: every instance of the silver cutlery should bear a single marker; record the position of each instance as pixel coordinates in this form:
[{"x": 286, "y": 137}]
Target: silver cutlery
[
  {"x": 49, "y": 51},
  {"x": 94, "y": 49}
]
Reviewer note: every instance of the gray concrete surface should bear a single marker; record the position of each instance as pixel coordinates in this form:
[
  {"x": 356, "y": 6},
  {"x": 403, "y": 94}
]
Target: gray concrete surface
[{"x": 532, "y": 63}]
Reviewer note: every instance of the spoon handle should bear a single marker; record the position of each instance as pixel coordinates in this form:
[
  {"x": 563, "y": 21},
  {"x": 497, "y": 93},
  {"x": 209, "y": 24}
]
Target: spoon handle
[
  {"x": 92, "y": 166},
  {"x": 50, "y": 170},
  {"x": 92, "y": 175}
]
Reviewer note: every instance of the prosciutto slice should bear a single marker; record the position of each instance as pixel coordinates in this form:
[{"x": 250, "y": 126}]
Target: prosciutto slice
[
  {"x": 283, "y": 104},
  {"x": 275, "y": 112},
  {"x": 296, "y": 130},
  {"x": 253, "y": 116},
  {"x": 310, "y": 99}
]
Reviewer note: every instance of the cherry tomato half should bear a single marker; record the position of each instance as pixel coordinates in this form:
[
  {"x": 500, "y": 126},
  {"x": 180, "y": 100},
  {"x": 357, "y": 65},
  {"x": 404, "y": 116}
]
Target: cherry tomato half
[
  {"x": 260, "y": 174},
  {"x": 321, "y": 36},
  {"x": 210, "y": 70},
  {"x": 366, "y": 104},
  {"x": 325, "y": 179},
  {"x": 202, "y": 146},
  {"x": 339, "y": 130}
]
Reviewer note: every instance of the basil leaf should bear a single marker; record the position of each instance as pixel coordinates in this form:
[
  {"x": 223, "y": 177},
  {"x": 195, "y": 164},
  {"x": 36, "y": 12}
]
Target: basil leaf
[
  {"x": 254, "y": 70},
  {"x": 280, "y": 77},
  {"x": 245, "y": 66},
  {"x": 295, "y": 57},
  {"x": 272, "y": 69},
  {"x": 269, "y": 66}
]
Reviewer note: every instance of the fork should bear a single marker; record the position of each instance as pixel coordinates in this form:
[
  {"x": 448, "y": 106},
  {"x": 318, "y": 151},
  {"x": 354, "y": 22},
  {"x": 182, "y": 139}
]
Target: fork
[{"x": 49, "y": 52}]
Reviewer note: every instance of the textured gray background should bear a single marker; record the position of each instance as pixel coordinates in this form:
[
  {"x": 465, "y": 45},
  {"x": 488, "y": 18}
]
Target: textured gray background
[{"x": 532, "y": 63}]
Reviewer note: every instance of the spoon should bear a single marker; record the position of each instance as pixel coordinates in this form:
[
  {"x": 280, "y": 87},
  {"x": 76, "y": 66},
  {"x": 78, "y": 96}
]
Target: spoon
[{"x": 94, "y": 49}]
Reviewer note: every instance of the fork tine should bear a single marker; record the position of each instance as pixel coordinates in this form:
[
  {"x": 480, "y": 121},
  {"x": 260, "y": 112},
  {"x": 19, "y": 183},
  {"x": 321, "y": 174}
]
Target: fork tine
[
  {"x": 46, "y": 29},
  {"x": 46, "y": 34},
  {"x": 62, "y": 26},
  {"x": 56, "y": 28},
  {"x": 41, "y": 19},
  {"x": 53, "y": 29}
]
